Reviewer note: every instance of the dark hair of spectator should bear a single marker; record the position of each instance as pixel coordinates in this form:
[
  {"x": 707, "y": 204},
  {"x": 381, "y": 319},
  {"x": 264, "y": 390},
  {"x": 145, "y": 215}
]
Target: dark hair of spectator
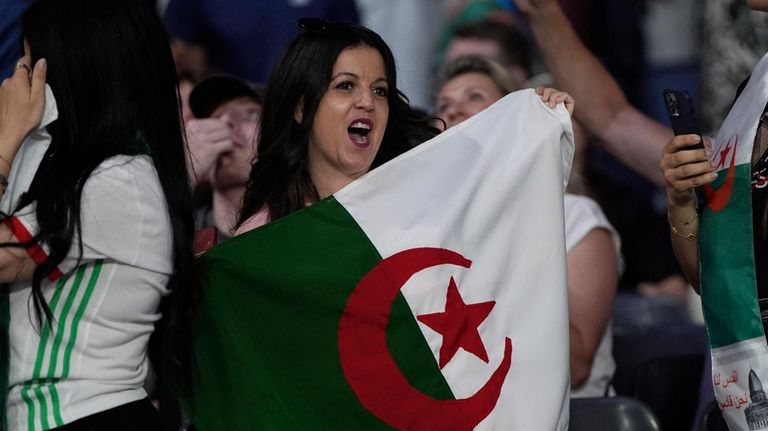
[
  {"x": 111, "y": 71},
  {"x": 279, "y": 179},
  {"x": 515, "y": 49}
]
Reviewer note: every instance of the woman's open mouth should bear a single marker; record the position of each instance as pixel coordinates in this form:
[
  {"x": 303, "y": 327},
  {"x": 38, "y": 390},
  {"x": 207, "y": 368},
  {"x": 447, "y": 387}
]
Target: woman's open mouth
[{"x": 359, "y": 131}]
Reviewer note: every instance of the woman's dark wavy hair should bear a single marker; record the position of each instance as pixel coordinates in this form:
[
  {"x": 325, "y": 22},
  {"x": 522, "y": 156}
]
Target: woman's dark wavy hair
[
  {"x": 279, "y": 179},
  {"x": 111, "y": 71}
]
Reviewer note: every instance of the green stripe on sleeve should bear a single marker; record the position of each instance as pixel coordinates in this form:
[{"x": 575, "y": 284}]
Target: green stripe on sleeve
[
  {"x": 56, "y": 405},
  {"x": 79, "y": 315},
  {"x": 43, "y": 407},
  {"x": 40, "y": 358}
]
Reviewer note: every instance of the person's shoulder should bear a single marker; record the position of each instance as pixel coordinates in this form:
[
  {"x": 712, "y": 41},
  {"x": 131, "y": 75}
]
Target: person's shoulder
[
  {"x": 582, "y": 206},
  {"x": 125, "y": 165},
  {"x": 133, "y": 174},
  {"x": 582, "y": 215}
]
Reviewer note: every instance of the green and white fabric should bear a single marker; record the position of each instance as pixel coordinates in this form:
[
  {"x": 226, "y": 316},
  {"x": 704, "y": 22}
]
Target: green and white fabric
[
  {"x": 93, "y": 355},
  {"x": 29, "y": 156},
  {"x": 728, "y": 287},
  {"x": 429, "y": 294}
]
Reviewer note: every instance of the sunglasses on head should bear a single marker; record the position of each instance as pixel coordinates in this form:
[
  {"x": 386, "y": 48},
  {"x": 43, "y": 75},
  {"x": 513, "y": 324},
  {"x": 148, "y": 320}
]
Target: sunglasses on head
[
  {"x": 316, "y": 25},
  {"x": 320, "y": 25}
]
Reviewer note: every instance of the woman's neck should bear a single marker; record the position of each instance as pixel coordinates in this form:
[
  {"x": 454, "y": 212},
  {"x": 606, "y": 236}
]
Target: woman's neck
[
  {"x": 226, "y": 206},
  {"x": 327, "y": 183}
]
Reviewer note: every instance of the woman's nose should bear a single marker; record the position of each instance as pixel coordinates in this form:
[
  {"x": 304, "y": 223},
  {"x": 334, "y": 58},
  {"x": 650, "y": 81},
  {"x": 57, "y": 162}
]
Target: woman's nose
[
  {"x": 455, "y": 114},
  {"x": 365, "y": 100}
]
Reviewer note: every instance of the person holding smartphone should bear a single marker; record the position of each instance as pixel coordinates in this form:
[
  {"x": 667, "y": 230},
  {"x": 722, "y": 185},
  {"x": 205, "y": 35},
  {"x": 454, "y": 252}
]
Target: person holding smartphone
[
  {"x": 625, "y": 132},
  {"x": 687, "y": 166}
]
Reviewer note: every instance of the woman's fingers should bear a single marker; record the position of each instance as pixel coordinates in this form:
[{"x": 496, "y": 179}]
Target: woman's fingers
[
  {"x": 681, "y": 142},
  {"x": 686, "y": 165},
  {"x": 553, "y": 96},
  {"x": 22, "y": 99},
  {"x": 38, "y": 81}
]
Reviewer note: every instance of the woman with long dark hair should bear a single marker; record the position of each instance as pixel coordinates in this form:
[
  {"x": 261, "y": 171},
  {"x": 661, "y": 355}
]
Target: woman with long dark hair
[
  {"x": 102, "y": 231},
  {"x": 332, "y": 112}
]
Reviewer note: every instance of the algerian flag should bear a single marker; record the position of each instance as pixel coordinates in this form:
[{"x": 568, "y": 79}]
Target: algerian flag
[
  {"x": 728, "y": 287},
  {"x": 428, "y": 295}
]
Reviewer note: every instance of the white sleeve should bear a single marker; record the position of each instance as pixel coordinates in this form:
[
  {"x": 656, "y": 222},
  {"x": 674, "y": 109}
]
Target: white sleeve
[
  {"x": 582, "y": 215},
  {"x": 123, "y": 216}
]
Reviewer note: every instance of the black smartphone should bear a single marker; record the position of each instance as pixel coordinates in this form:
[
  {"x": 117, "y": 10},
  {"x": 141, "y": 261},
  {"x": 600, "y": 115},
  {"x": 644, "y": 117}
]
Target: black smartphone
[{"x": 681, "y": 114}]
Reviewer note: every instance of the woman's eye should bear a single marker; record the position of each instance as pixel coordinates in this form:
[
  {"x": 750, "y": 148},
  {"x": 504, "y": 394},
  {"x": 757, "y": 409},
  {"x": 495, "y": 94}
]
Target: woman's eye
[
  {"x": 381, "y": 91},
  {"x": 476, "y": 97},
  {"x": 345, "y": 85},
  {"x": 441, "y": 109}
]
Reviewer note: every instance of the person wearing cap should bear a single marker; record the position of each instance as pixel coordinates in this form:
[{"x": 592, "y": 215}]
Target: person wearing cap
[{"x": 222, "y": 140}]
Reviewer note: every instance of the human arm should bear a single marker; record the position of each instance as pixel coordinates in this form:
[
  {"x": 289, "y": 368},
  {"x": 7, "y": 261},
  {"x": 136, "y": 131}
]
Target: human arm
[
  {"x": 22, "y": 99},
  {"x": 625, "y": 132},
  {"x": 684, "y": 169},
  {"x": 207, "y": 139},
  {"x": 592, "y": 280}
]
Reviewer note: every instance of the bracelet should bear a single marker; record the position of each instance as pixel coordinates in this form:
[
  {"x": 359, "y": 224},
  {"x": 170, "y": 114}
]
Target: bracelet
[
  {"x": 689, "y": 237},
  {"x": 671, "y": 220}
]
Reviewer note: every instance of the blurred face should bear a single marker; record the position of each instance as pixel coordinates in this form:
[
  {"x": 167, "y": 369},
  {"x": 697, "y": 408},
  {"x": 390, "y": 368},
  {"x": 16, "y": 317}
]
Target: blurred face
[
  {"x": 464, "y": 96},
  {"x": 459, "y": 47},
  {"x": 489, "y": 49},
  {"x": 350, "y": 121},
  {"x": 758, "y": 5},
  {"x": 242, "y": 115}
]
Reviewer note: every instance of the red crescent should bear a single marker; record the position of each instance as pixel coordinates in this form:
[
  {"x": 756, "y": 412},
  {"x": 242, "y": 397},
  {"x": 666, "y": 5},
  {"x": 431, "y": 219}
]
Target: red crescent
[
  {"x": 718, "y": 198},
  {"x": 370, "y": 369}
]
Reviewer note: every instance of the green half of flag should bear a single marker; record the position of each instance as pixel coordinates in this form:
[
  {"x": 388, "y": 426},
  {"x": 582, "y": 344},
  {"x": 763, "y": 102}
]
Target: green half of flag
[
  {"x": 267, "y": 329},
  {"x": 728, "y": 289}
]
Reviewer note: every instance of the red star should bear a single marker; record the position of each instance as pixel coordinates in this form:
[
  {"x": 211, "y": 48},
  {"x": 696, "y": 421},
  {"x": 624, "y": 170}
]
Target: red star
[
  {"x": 724, "y": 154},
  {"x": 458, "y": 325}
]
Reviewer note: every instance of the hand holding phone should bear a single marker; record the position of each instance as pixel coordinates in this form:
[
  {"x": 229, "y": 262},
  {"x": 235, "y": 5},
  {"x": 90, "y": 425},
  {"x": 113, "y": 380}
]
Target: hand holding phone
[{"x": 681, "y": 114}]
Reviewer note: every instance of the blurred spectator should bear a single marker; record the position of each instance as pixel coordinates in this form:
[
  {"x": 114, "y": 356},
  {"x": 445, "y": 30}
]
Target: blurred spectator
[
  {"x": 409, "y": 27},
  {"x": 497, "y": 41},
  {"x": 222, "y": 143},
  {"x": 671, "y": 42},
  {"x": 243, "y": 38},
  {"x": 461, "y": 13},
  {"x": 735, "y": 37},
  {"x": 10, "y": 35}
]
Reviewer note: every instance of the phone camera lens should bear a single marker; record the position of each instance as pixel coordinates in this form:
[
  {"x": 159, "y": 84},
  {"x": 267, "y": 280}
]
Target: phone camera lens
[{"x": 672, "y": 106}]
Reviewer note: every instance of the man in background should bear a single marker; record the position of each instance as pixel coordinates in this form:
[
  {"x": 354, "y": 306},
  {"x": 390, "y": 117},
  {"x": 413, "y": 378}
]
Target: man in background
[{"x": 222, "y": 140}]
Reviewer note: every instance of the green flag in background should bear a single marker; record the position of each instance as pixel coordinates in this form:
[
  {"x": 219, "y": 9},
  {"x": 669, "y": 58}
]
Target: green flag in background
[
  {"x": 727, "y": 264},
  {"x": 428, "y": 295}
]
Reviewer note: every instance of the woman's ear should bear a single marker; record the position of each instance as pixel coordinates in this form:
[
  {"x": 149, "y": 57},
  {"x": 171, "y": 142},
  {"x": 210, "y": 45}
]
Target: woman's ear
[{"x": 298, "y": 113}]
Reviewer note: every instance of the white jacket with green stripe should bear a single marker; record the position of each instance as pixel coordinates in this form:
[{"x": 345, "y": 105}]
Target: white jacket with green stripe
[{"x": 93, "y": 355}]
